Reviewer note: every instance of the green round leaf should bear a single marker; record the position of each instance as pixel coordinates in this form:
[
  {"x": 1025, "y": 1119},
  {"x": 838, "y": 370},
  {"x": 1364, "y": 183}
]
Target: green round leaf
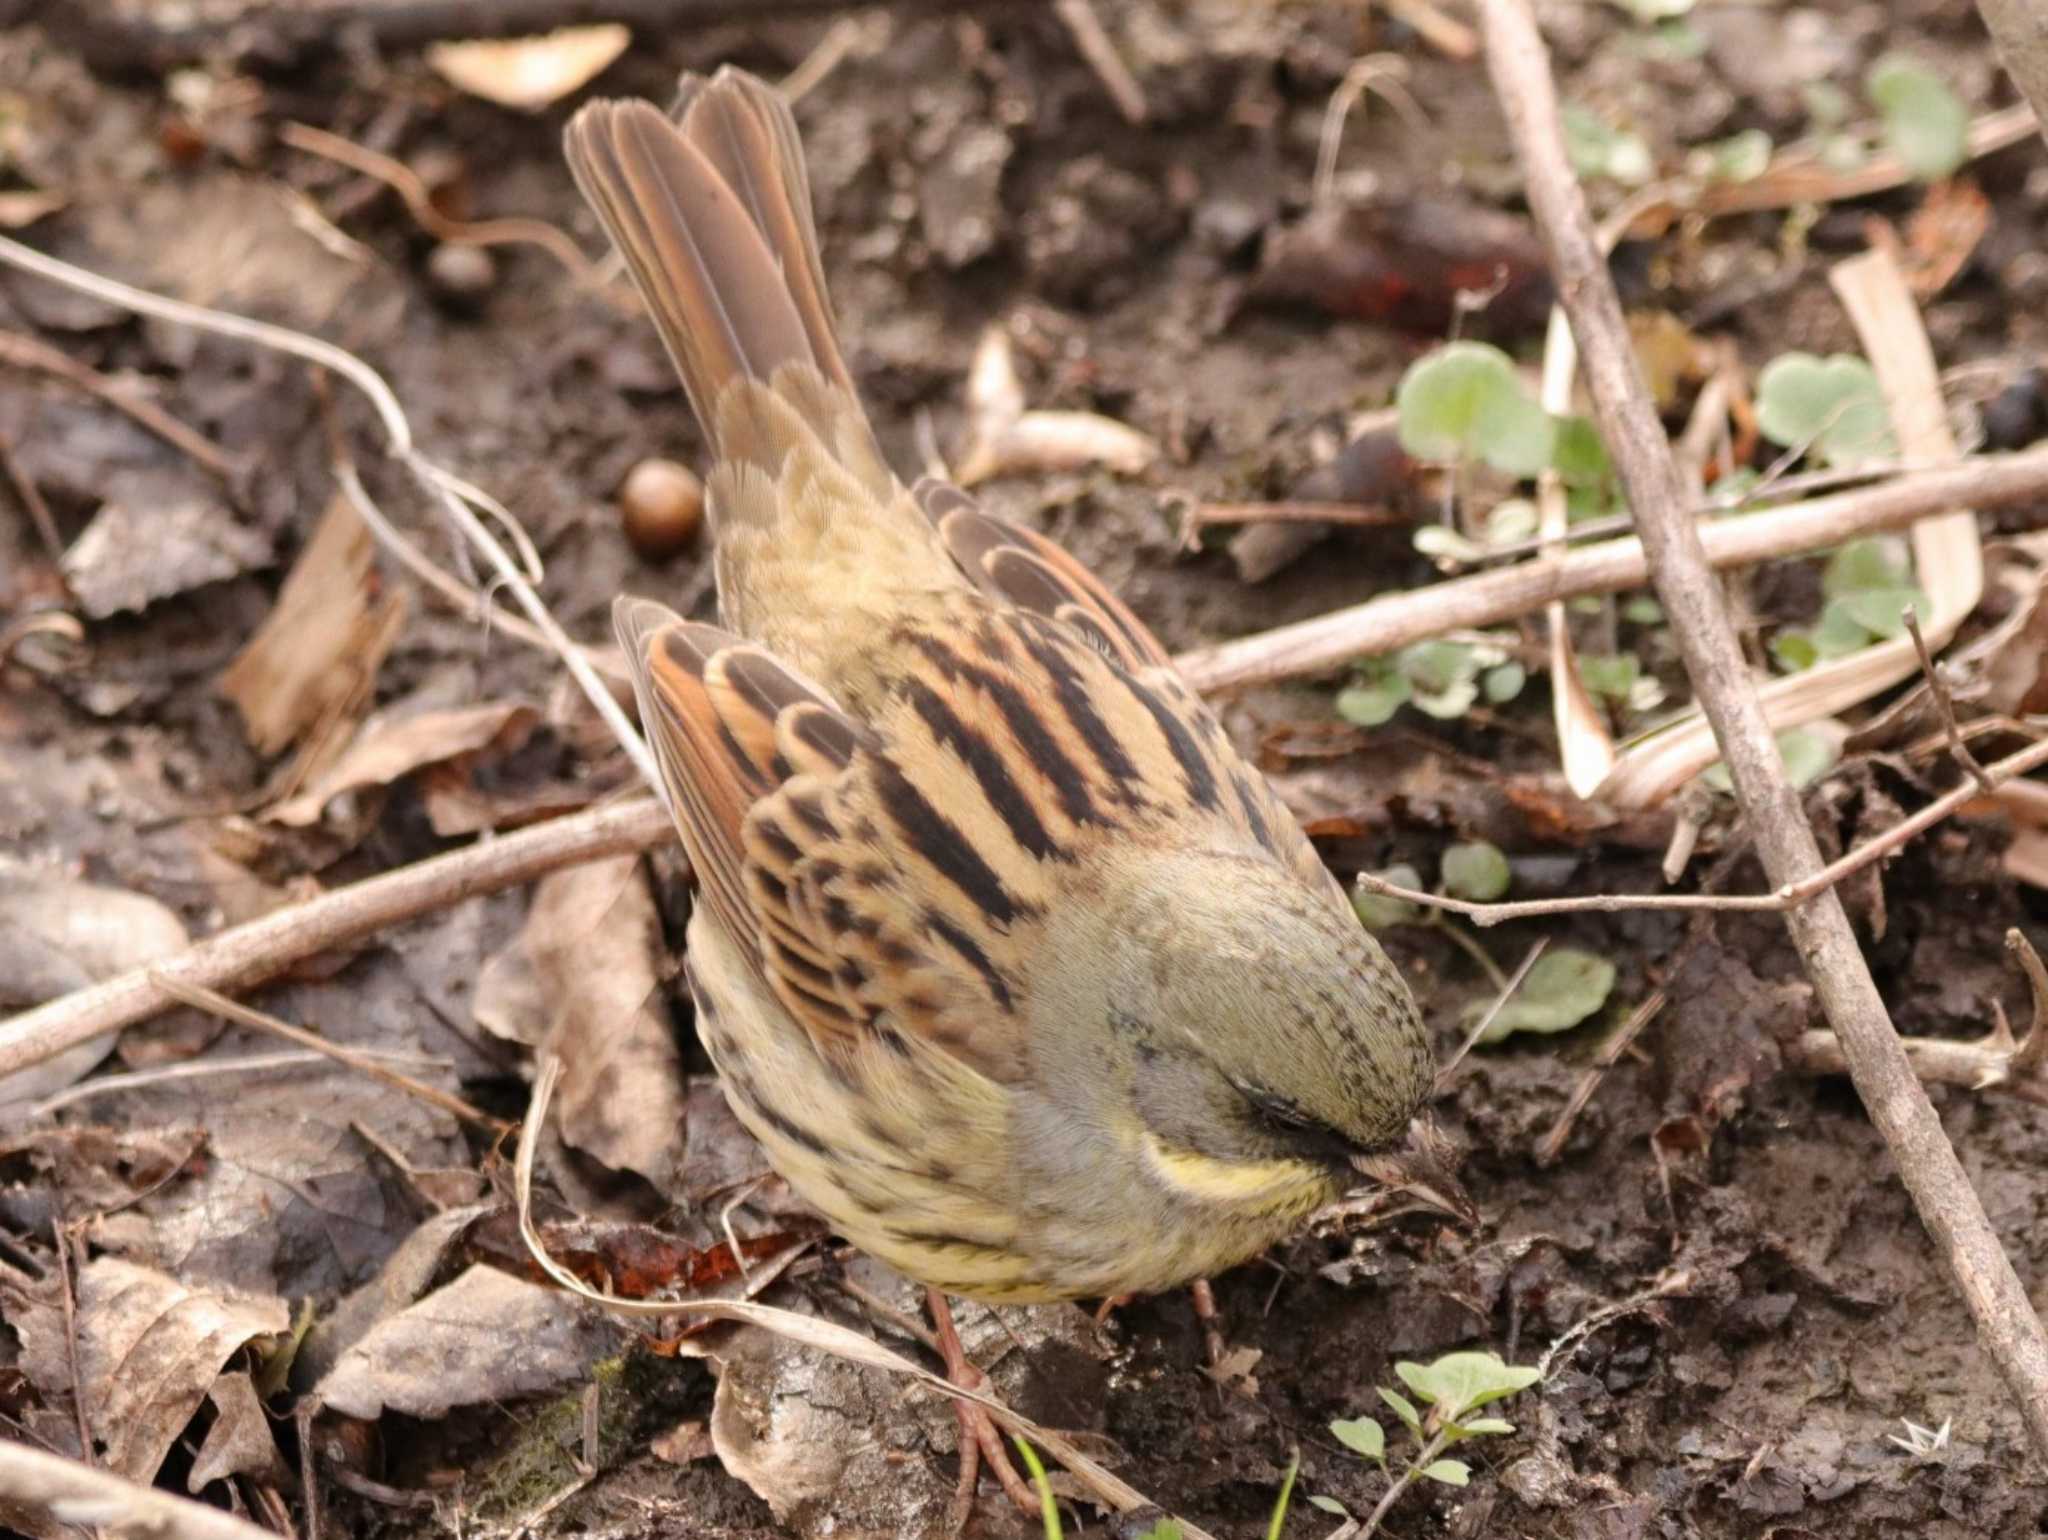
[
  {"x": 1877, "y": 561},
  {"x": 1372, "y": 700},
  {"x": 1808, "y": 755},
  {"x": 1464, "y": 401},
  {"x": 1882, "y": 611},
  {"x": 1612, "y": 677},
  {"x": 1511, "y": 521},
  {"x": 1829, "y": 407},
  {"x": 1579, "y": 456},
  {"x": 1562, "y": 990},
  {"x": 1795, "y": 650},
  {"x": 1452, "y": 1473},
  {"x": 1475, "y": 870},
  {"x": 1642, "y": 610},
  {"x": 1329, "y": 1505},
  {"x": 1925, "y": 123},
  {"x": 1363, "y": 1435},
  {"x": 1377, "y": 911},
  {"x": 1503, "y": 684},
  {"x": 1741, "y": 158}
]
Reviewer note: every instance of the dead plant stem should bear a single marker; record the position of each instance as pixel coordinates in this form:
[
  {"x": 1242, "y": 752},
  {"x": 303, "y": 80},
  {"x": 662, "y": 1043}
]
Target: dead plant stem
[{"x": 2007, "y": 1324}]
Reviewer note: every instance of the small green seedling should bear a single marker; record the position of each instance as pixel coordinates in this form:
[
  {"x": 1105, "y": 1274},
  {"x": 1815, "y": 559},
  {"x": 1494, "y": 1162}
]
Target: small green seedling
[
  {"x": 1452, "y": 1388},
  {"x": 1464, "y": 401},
  {"x": 1808, "y": 755},
  {"x": 1869, "y": 588},
  {"x": 1565, "y": 986},
  {"x": 1442, "y": 679},
  {"x": 1925, "y": 123},
  {"x": 1596, "y": 148},
  {"x": 1741, "y": 157},
  {"x": 1830, "y": 408}
]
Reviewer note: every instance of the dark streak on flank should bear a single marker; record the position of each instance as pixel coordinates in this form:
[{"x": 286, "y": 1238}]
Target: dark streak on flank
[
  {"x": 1194, "y": 765},
  {"x": 972, "y": 954},
  {"x": 793, "y": 1131},
  {"x": 1040, "y": 747},
  {"x": 1249, "y": 802},
  {"x": 938, "y": 839},
  {"x": 1072, "y": 696},
  {"x": 990, "y": 771},
  {"x": 948, "y": 1240}
]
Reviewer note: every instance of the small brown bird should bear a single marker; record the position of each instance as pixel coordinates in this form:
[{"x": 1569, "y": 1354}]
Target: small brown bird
[{"x": 1018, "y": 972}]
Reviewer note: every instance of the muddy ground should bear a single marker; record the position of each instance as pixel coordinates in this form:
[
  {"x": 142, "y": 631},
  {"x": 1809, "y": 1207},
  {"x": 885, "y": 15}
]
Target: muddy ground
[{"x": 1764, "y": 1307}]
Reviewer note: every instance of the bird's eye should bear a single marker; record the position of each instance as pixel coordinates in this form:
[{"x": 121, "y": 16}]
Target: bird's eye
[{"x": 1276, "y": 1110}]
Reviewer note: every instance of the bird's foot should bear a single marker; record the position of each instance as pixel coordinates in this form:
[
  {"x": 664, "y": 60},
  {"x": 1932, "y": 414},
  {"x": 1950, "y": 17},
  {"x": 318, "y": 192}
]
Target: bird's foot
[{"x": 980, "y": 1440}]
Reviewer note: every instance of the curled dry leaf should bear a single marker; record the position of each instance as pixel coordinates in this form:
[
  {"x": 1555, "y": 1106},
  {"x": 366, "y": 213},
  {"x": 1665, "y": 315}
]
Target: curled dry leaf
[
  {"x": 57, "y": 936},
  {"x": 239, "y": 1443},
  {"x": 529, "y": 73},
  {"x": 149, "y": 1349},
  {"x": 487, "y": 1337},
  {"x": 316, "y": 656},
  {"x": 156, "y": 535},
  {"x": 582, "y": 981},
  {"x": 1009, "y": 439},
  {"x": 394, "y": 744}
]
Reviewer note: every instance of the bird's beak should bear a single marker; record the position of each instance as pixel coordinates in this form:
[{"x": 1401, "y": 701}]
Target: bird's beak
[{"x": 1422, "y": 1167}]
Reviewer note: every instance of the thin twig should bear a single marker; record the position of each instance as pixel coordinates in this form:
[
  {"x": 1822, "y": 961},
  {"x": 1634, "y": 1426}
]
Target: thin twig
[
  {"x": 73, "y": 1493},
  {"x": 208, "y": 1069},
  {"x": 459, "y": 499},
  {"x": 61, "y": 1234},
  {"x": 1094, "y": 45},
  {"x": 213, "y": 1001},
  {"x": 261, "y": 949},
  {"x": 2007, "y": 1324},
  {"x": 1784, "y": 899},
  {"x": 1944, "y": 704},
  {"x": 419, "y": 202},
  {"x": 1479, "y": 1028},
  {"x": 1617, "y": 1044},
  {"x": 1394, "y": 620},
  {"x": 31, "y": 497},
  {"x": 25, "y": 352},
  {"x": 2020, "y": 29}
]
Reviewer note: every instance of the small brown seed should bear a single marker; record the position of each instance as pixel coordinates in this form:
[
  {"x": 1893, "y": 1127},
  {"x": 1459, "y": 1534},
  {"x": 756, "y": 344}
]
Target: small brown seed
[{"x": 662, "y": 504}]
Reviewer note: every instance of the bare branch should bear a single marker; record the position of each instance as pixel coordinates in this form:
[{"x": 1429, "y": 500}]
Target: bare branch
[
  {"x": 261, "y": 949},
  {"x": 2007, "y": 1324}
]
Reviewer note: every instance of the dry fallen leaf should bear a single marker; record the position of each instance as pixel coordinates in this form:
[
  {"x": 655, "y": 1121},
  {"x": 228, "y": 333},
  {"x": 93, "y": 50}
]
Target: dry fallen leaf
[
  {"x": 240, "y": 1442},
  {"x": 487, "y": 1337},
  {"x": 834, "y": 1448},
  {"x": 1006, "y": 438},
  {"x": 581, "y": 982},
  {"x": 392, "y": 745},
  {"x": 57, "y": 936},
  {"x": 318, "y": 652},
  {"x": 149, "y": 1349},
  {"x": 157, "y": 534},
  {"x": 529, "y": 73}
]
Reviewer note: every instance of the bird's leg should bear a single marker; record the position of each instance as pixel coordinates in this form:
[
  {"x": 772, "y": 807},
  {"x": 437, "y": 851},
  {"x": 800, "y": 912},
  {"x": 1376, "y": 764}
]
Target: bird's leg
[
  {"x": 1213, "y": 1343},
  {"x": 977, "y": 1429}
]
